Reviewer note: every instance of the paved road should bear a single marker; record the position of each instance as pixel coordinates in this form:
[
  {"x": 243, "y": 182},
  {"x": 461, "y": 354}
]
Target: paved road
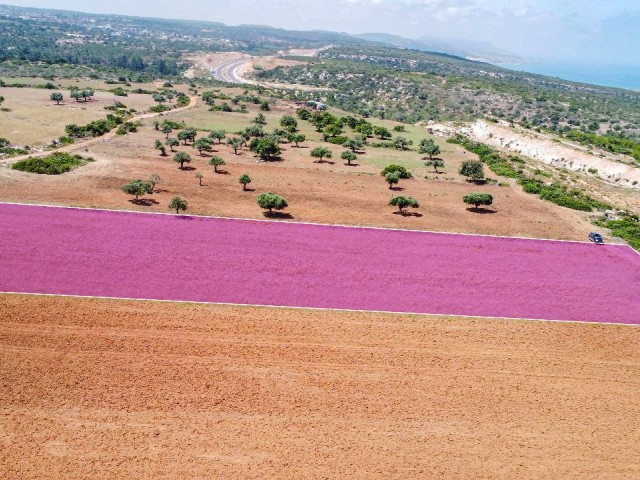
[{"x": 227, "y": 71}]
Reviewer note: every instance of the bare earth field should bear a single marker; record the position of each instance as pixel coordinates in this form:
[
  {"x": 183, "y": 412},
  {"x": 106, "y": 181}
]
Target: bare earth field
[{"x": 113, "y": 389}]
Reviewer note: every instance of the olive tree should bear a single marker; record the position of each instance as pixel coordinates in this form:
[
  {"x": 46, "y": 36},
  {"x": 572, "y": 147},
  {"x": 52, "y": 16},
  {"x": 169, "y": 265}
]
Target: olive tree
[
  {"x": 182, "y": 158},
  {"x": 473, "y": 170},
  {"x": 57, "y": 97},
  {"x": 403, "y": 202},
  {"x": 428, "y": 147},
  {"x": 392, "y": 178},
  {"x": 160, "y": 147},
  {"x": 178, "y": 204},
  {"x": 216, "y": 162},
  {"x": 271, "y": 201},
  {"x": 137, "y": 188},
  {"x": 349, "y": 156},
  {"x": 266, "y": 148},
  {"x": 199, "y": 177},
  {"x": 172, "y": 142},
  {"x": 236, "y": 143},
  {"x": 154, "y": 179},
  {"x": 435, "y": 163},
  {"x": 321, "y": 153},
  {"x": 244, "y": 181},
  {"x": 477, "y": 199}
]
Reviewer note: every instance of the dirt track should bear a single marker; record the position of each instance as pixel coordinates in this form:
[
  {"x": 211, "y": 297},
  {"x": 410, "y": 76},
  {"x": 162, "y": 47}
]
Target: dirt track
[{"x": 110, "y": 389}]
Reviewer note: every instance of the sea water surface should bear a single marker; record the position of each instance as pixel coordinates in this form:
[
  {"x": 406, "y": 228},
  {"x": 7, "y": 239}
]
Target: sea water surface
[{"x": 622, "y": 76}]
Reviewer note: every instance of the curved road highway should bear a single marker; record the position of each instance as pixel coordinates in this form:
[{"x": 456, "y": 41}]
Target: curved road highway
[{"x": 227, "y": 71}]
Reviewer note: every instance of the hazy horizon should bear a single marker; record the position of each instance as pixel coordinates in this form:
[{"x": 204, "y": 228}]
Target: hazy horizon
[{"x": 578, "y": 31}]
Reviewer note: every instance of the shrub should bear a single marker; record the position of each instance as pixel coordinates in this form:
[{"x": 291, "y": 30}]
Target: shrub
[{"x": 54, "y": 164}]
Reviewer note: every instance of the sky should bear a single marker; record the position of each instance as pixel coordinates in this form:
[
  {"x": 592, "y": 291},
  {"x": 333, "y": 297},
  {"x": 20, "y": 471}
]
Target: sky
[{"x": 590, "y": 32}]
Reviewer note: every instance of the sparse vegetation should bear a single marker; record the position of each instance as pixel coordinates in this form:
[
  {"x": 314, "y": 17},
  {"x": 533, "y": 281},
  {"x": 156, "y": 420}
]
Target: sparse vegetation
[{"x": 55, "y": 164}]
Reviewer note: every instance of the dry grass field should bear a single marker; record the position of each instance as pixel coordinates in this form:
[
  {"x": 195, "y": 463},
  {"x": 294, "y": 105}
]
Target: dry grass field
[{"x": 34, "y": 120}]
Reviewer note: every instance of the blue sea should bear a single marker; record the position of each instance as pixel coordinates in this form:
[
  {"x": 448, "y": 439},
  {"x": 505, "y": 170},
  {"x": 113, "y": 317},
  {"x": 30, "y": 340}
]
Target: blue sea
[{"x": 607, "y": 75}]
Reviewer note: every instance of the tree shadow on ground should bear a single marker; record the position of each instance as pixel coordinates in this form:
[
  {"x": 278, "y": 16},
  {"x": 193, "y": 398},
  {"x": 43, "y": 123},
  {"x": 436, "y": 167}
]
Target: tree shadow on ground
[
  {"x": 481, "y": 211},
  {"x": 408, "y": 214},
  {"x": 396, "y": 189},
  {"x": 145, "y": 202},
  {"x": 271, "y": 160},
  {"x": 188, "y": 169},
  {"x": 277, "y": 215},
  {"x": 249, "y": 189},
  {"x": 351, "y": 164},
  {"x": 222, "y": 172}
]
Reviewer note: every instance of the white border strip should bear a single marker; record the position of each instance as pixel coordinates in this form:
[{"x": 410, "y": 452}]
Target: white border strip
[
  {"x": 390, "y": 229},
  {"x": 320, "y": 309}
]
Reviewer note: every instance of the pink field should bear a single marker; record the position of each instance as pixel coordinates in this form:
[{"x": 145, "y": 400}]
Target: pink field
[{"x": 163, "y": 257}]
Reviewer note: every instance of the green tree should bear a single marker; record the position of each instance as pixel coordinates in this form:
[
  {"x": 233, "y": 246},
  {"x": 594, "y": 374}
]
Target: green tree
[
  {"x": 159, "y": 146},
  {"x": 296, "y": 138},
  {"x": 183, "y": 136},
  {"x": 178, "y": 204},
  {"x": 429, "y": 147},
  {"x": 473, "y": 170},
  {"x": 244, "y": 181},
  {"x": 403, "y": 202},
  {"x": 392, "y": 178},
  {"x": 56, "y": 97},
  {"x": 477, "y": 199},
  {"x": 264, "y": 106},
  {"x": 288, "y": 121},
  {"x": 270, "y": 201},
  {"x": 260, "y": 119},
  {"x": 202, "y": 144},
  {"x": 331, "y": 131},
  {"x": 236, "y": 143},
  {"x": 172, "y": 142},
  {"x": 321, "y": 153},
  {"x": 381, "y": 132},
  {"x": 353, "y": 144},
  {"x": 199, "y": 176},
  {"x": 349, "y": 156},
  {"x": 137, "y": 188},
  {"x": 303, "y": 114},
  {"x": 399, "y": 169},
  {"x": 436, "y": 163},
  {"x": 182, "y": 158},
  {"x": 218, "y": 135},
  {"x": 166, "y": 129},
  {"x": 401, "y": 143},
  {"x": 216, "y": 162},
  {"x": 76, "y": 94},
  {"x": 87, "y": 93},
  {"x": 154, "y": 179},
  {"x": 266, "y": 148},
  {"x": 365, "y": 129},
  {"x": 158, "y": 98}
]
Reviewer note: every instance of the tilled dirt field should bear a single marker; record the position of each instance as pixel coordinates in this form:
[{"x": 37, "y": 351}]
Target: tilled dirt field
[{"x": 113, "y": 389}]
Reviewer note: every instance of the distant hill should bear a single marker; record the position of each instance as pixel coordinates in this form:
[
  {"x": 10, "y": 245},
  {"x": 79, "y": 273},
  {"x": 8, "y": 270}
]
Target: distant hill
[{"x": 483, "y": 51}]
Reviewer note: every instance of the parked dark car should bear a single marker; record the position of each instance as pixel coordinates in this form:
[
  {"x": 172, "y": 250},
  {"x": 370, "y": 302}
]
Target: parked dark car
[{"x": 595, "y": 237}]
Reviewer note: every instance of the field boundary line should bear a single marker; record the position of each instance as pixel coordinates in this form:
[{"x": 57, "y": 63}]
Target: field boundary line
[
  {"x": 321, "y": 309},
  {"x": 339, "y": 225}
]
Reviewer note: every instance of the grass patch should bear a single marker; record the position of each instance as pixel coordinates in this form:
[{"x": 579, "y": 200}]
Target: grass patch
[
  {"x": 627, "y": 228},
  {"x": 54, "y": 164}
]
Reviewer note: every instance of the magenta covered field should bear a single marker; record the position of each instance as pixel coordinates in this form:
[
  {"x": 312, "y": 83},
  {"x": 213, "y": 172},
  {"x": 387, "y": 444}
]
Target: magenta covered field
[{"x": 164, "y": 257}]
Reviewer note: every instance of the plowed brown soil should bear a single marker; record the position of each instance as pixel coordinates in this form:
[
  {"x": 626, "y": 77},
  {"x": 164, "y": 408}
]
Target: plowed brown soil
[{"x": 123, "y": 389}]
